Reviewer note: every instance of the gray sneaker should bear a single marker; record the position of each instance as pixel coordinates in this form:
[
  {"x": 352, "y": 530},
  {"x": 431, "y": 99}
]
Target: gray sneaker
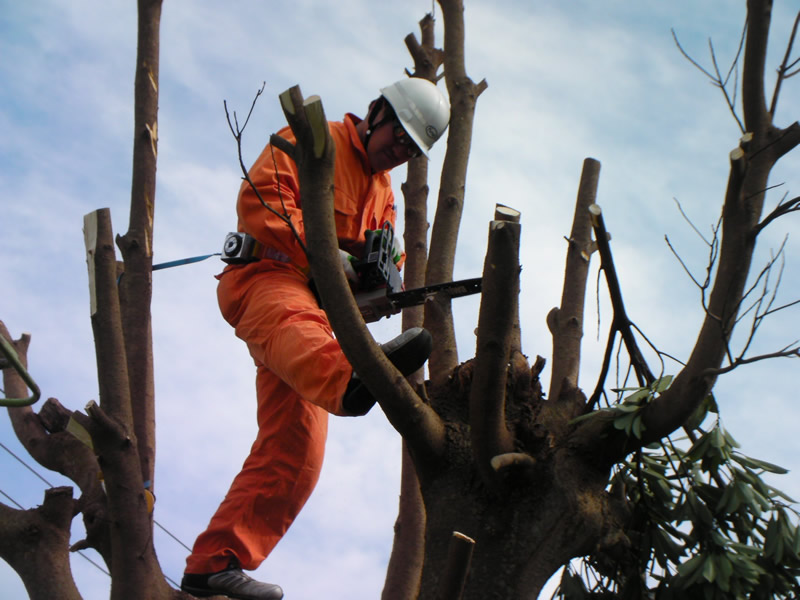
[{"x": 232, "y": 583}]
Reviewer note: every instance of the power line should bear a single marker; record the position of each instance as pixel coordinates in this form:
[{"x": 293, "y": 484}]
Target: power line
[
  {"x": 32, "y": 470},
  {"x": 18, "y": 505}
]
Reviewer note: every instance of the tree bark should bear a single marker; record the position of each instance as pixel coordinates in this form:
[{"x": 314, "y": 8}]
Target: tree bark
[
  {"x": 444, "y": 235},
  {"x": 136, "y": 287}
]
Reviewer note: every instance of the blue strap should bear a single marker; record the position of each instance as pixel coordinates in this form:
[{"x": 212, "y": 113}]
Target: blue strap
[{"x": 183, "y": 261}]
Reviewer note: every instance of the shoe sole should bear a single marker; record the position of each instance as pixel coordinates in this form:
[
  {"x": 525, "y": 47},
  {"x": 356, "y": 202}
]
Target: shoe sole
[{"x": 205, "y": 593}]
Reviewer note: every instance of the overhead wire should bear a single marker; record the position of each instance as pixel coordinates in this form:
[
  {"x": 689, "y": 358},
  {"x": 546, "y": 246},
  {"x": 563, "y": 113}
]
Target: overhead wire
[{"x": 98, "y": 566}]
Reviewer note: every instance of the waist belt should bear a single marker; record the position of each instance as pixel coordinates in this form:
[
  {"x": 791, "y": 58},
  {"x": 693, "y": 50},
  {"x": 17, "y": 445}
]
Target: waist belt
[{"x": 241, "y": 248}]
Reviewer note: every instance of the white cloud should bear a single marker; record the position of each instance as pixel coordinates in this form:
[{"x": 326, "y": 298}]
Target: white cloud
[{"x": 565, "y": 82}]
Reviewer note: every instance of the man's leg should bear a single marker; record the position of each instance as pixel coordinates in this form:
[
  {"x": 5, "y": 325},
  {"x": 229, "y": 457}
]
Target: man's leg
[{"x": 275, "y": 482}]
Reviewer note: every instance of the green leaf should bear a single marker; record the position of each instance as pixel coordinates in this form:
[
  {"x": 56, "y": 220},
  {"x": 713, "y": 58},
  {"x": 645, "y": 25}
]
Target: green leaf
[
  {"x": 766, "y": 466},
  {"x": 662, "y": 383},
  {"x": 724, "y": 571},
  {"x": 709, "y": 571},
  {"x": 754, "y": 463},
  {"x": 729, "y": 439},
  {"x": 771, "y": 538},
  {"x": 744, "y": 549},
  {"x": 638, "y": 426},
  {"x": 637, "y": 397},
  {"x": 694, "y": 564},
  {"x": 624, "y": 422},
  {"x": 700, "y": 510}
]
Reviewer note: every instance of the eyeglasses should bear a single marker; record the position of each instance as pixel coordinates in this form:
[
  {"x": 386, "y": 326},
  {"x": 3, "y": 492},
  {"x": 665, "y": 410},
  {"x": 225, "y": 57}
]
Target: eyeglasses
[{"x": 401, "y": 137}]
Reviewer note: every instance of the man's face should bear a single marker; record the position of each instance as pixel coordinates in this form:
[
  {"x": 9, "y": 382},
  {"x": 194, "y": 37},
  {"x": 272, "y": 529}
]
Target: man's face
[{"x": 390, "y": 146}]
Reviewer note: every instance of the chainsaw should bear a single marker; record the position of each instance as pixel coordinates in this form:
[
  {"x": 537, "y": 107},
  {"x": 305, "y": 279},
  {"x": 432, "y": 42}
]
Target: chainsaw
[{"x": 380, "y": 292}]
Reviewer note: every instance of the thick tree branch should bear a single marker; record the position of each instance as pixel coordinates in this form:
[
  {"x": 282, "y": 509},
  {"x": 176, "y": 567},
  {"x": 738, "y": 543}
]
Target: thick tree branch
[
  {"x": 314, "y": 156},
  {"x": 444, "y": 235},
  {"x": 756, "y": 115},
  {"x": 566, "y": 322},
  {"x": 112, "y": 368},
  {"x": 489, "y": 433},
  {"x": 408, "y": 548},
  {"x": 134, "y": 567},
  {"x": 35, "y": 543},
  {"x": 136, "y": 287}
]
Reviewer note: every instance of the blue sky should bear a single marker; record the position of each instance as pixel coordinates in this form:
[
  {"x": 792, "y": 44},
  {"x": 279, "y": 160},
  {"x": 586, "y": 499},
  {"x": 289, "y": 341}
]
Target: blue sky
[{"x": 566, "y": 81}]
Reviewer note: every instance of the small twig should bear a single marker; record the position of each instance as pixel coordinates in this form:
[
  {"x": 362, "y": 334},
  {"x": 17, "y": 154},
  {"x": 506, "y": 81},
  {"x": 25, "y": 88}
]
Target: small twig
[
  {"x": 786, "y": 352},
  {"x": 717, "y": 79},
  {"x": 713, "y": 249},
  {"x": 689, "y": 221},
  {"x": 237, "y": 135},
  {"x": 783, "y": 70},
  {"x": 783, "y": 208}
]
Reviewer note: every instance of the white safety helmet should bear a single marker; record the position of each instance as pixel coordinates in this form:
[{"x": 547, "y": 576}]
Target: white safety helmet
[{"x": 422, "y": 109}]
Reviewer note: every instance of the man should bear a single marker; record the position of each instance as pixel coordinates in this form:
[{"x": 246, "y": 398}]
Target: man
[{"x": 302, "y": 374}]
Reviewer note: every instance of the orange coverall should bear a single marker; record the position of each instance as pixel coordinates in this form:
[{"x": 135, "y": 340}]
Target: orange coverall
[{"x": 302, "y": 373}]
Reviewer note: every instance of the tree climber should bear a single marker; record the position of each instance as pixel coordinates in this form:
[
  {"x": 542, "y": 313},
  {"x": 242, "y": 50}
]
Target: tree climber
[{"x": 301, "y": 372}]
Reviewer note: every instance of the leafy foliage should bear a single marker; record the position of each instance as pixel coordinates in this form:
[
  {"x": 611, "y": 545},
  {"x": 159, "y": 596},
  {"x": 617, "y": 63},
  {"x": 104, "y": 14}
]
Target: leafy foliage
[{"x": 703, "y": 522}]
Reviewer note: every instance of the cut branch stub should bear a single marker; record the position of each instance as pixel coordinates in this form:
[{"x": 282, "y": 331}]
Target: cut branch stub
[
  {"x": 459, "y": 557},
  {"x": 496, "y": 320},
  {"x": 112, "y": 368}
]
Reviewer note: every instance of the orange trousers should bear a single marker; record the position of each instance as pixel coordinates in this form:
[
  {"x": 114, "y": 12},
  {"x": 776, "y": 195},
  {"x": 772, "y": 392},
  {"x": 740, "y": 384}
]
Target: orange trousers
[{"x": 301, "y": 377}]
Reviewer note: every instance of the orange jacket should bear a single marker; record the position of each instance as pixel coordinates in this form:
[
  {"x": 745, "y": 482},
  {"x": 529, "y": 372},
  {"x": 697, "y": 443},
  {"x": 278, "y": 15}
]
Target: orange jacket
[{"x": 362, "y": 200}]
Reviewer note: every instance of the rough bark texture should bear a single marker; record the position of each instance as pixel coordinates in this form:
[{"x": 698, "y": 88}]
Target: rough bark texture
[
  {"x": 408, "y": 547},
  {"x": 444, "y": 235}
]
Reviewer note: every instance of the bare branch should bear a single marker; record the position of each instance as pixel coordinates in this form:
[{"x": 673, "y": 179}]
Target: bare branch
[
  {"x": 787, "y": 352},
  {"x": 784, "y": 207},
  {"x": 716, "y": 77},
  {"x": 275, "y": 141},
  {"x": 621, "y": 321},
  {"x": 784, "y": 70}
]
